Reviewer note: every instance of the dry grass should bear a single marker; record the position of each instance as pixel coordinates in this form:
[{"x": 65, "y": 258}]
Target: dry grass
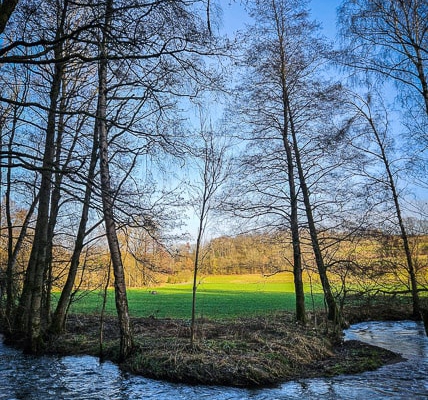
[{"x": 246, "y": 352}]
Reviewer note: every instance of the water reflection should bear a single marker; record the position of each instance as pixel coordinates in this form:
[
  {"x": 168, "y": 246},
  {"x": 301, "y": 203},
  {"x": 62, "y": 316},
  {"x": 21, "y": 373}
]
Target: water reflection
[{"x": 83, "y": 377}]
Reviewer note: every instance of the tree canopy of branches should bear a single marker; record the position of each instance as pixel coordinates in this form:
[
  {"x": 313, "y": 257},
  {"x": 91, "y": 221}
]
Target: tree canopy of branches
[{"x": 388, "y": 37}]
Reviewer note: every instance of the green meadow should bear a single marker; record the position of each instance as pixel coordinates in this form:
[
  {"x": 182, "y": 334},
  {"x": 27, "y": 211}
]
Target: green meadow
[{"x": 223, "y": 296}]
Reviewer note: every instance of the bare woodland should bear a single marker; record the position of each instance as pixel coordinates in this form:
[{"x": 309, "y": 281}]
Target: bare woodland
[{"x": 120, "y": 120}]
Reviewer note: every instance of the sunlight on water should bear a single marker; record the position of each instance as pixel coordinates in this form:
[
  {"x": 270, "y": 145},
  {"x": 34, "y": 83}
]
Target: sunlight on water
[
  {"x": 83, "y": 377},
  {"x": 406, "y": 338}
]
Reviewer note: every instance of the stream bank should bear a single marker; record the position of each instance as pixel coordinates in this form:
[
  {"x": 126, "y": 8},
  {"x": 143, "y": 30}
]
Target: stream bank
[{"x": 247, "y": 352}]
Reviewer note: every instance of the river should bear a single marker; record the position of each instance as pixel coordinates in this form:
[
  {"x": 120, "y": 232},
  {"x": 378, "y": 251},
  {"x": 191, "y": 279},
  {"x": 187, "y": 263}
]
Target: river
[{"x": 83, "y": 377}]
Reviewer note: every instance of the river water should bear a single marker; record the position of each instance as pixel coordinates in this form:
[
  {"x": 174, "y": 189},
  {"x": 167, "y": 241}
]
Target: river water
[{"x": 83, "y": 377}]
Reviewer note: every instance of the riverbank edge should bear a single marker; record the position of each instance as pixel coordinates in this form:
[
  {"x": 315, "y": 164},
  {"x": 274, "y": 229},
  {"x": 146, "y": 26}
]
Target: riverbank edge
[
  {"x": 251, "y": 352},
  {"x": 350, "y": 357}
]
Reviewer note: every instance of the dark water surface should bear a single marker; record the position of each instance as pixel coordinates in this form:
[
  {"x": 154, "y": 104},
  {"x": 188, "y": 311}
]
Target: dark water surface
[{"x": 83, "y": 377}]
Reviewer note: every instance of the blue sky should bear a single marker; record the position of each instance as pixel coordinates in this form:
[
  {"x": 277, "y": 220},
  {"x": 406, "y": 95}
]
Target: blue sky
[{"x": 323, "y": 11}]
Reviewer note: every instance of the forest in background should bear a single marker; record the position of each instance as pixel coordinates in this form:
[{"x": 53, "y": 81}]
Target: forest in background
[
  {"x": 120, "y": 121},
  {"x": 373, "y": 263}
]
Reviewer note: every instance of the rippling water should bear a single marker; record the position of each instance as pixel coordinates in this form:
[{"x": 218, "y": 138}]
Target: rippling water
[{"x": 83, "y": 377}]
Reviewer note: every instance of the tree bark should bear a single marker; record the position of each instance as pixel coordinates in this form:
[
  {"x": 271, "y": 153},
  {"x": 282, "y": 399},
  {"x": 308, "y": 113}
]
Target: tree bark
[
  {"x": 403, "y": 231},
  {"x": 333, "y": 310},
  {"x": 126, "y": 337},
  {"x": 60, "y": 314},
  {"x": 54, "y": 211},
  {"x": 30, "y": 306},
  {"x": 7, "y": 7},
  {"x": 294, "y": 222},
  {"x": 28, "y": 322},
  {"x": 195, "y": 271}
]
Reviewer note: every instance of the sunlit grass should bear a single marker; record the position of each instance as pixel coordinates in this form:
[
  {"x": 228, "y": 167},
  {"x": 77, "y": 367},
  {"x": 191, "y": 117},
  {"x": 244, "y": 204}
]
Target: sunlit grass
[{"x": 222, "y": 296}]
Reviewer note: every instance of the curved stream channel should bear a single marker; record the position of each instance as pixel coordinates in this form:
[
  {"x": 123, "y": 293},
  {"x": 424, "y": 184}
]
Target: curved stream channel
[{"x": 83, "y": 377}]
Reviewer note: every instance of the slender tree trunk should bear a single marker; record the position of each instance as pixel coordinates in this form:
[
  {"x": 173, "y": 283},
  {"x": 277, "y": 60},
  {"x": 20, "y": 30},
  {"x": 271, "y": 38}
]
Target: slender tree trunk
[
  {"x": 295, "y": 235},
  {"x": 29, "y": 310},
  {"x": 126, "y": 337},
  {"x": 28, "y": 320},
  {"x": 403, "y": 232},
  {"x": 196, "y": 268},
  {"x": 333, "y": 310},
  {"x": 13, "y": 247},
  {"x": 297, "y": 255},
  {"x": 42, "y": 225},
  {"x": 408, "y": 252},
  {"x": 422, "y": 76},
  {"x": 59, "y": 318},
  {"x": 213, "y": 174},
  {"x": 294, "y": 222},
  {"x": 103, "y": 309},
  {"x": 53, "y": 215},
  {"x": 10, "y": 298}
]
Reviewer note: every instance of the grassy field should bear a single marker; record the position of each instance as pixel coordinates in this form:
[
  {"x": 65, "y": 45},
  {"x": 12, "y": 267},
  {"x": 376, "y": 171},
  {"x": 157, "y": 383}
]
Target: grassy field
[{"x": 222, "y": 296}]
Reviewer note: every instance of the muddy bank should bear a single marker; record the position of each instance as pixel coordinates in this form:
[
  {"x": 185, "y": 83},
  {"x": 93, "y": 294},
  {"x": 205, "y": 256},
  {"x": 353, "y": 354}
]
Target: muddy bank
[{"x": 249, "y": 352}]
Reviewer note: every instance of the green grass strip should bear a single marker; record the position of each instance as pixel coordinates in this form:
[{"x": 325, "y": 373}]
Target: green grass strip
[{"x": 215, "y": 300}]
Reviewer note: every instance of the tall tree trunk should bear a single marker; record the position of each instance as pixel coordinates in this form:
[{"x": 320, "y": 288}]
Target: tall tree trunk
[
  {"x": 422, "y": 76},
  {"x": 295, "y": 235},
  {"x": 333, "y": 310},
  {"x": 10, "y": 300},
  {"x": 28, "y": 321},
  {"x": 294, "y": 222},
  {"x": 126, "y": 337},
  {"x": 53, "y": 215},
  {"x": 29, "y": 310},
  {"x": 38, "y": 260},
  {"x": 403, "y": 232}
]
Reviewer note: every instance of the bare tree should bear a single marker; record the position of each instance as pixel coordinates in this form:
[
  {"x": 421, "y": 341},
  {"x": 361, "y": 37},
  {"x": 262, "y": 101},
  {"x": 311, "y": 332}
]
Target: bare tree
[
  {"x": 285, "y": 110},
  {"x": 126, "y": 336},
  {"x": 59, "y": 317},
  {"x": 29, "y": 317},
  {"x": 147, "y": 56},
  {"x": 388, "y": 37},
  {"x": 372, "y": 127},
  {"x": 214, "y": 169},
  {"x": 15, "y": 241}
]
